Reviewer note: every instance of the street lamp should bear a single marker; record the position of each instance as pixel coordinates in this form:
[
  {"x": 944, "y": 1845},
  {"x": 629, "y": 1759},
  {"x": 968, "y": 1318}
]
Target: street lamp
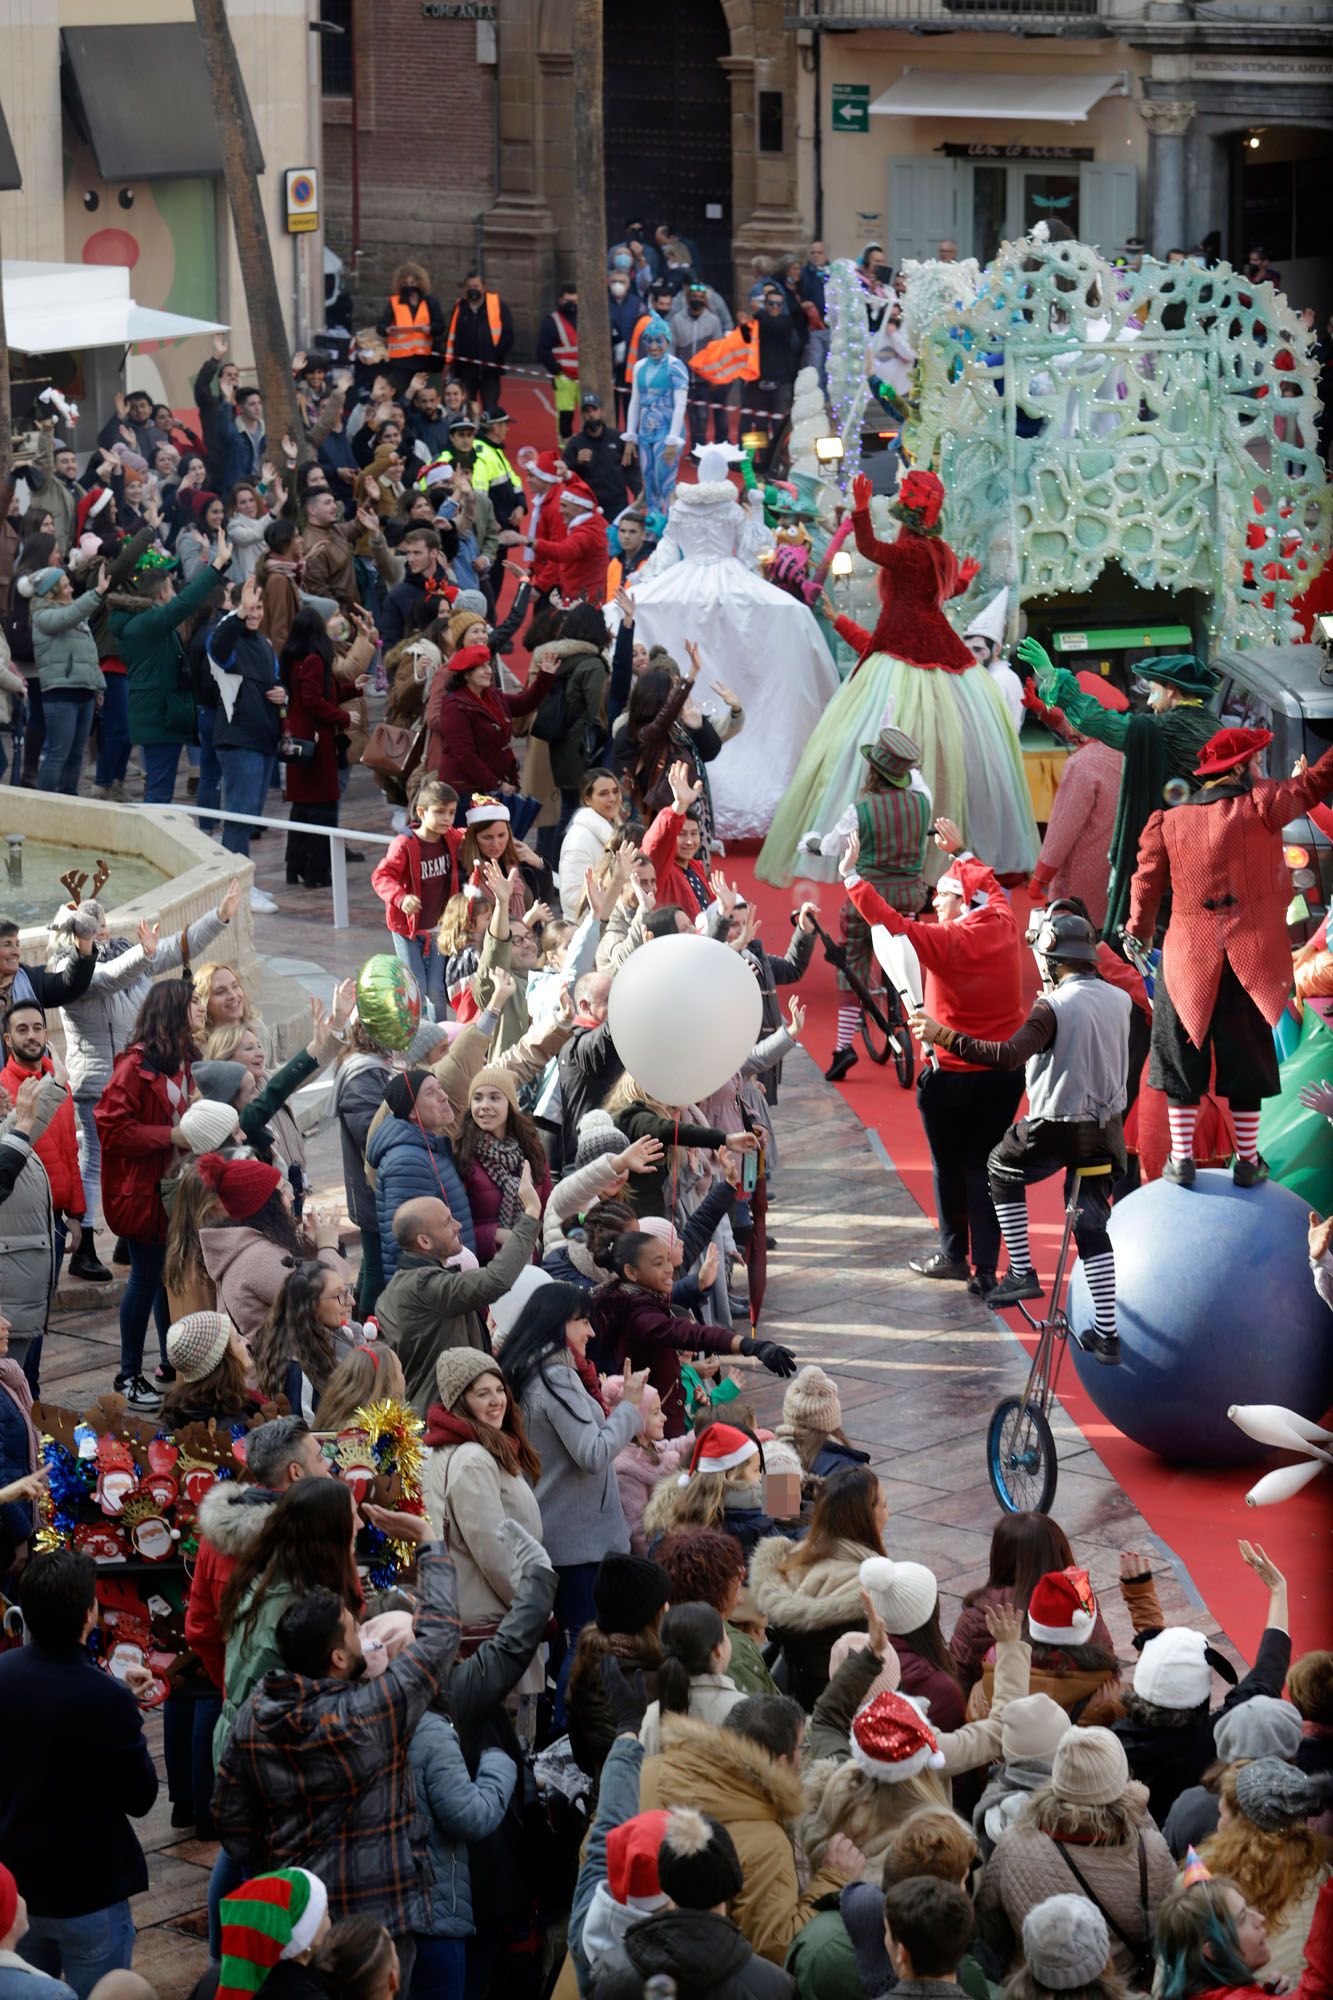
[
  {"x": 841, "y": 566},
  {"x": 829, "y": 450}
]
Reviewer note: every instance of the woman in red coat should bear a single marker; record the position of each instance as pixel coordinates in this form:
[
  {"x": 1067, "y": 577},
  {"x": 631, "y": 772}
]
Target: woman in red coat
[
  {"x": 313, "y": 716},
  {"x": 470, "y": 723},
  {"x": 138, "y": 1122},
  {"x": 493, "y": 1145}
]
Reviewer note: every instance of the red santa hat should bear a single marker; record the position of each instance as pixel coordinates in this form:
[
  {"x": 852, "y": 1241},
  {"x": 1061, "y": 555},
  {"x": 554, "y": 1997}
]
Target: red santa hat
[
  {"x": 1062, "y": 1609},
  {"x": 631, "y": 1861},
  {"x": 719, "y": 1448},
  {"x": 577, "y": 495},
  {"x": 891, "y": 1739},
  {"x": 547, "y": 468},
  {"x": 92, "y": 503}
]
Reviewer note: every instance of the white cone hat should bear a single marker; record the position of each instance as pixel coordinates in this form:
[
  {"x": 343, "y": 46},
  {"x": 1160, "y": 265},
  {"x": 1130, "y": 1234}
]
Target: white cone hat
[{"x": 990, "y": 620}]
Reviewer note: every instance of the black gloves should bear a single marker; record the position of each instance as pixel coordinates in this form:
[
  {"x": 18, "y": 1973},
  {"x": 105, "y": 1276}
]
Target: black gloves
[
  {"x": 777, "y": 1360},
  {"x": 627, "y": 1699}
]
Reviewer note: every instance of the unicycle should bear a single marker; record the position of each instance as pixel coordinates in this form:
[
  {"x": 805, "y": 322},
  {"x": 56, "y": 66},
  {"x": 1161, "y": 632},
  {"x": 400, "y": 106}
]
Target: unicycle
[{"x": 1020, "y": 1446}]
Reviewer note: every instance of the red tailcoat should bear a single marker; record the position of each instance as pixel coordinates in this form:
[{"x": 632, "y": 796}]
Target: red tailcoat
[{"x": 1221, "y": 855}]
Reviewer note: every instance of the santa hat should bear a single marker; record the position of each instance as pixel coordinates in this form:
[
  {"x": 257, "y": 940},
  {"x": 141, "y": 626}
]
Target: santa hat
[
  {"x": 578, "y": 495},
  {"x": 269, "y": 1918},
  {"x": 1062, "y": 1609},
  {"x": 631, "y": 1861},
  {"x": 718, "y": 1448},
  {"x": 547, "y": 468},
  {"x": 891, "y": 1739},
  {"x": 484, "y": 811},
  {"x": 92, "y": 503},
  {"x": 989, "y": 622}
]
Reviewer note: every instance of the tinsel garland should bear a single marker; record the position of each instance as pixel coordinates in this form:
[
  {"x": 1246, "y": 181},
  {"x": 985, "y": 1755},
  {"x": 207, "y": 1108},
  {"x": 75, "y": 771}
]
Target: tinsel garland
[
  {"x": 394, "y": 1434},
  {"x": 71, "y": 1482}
]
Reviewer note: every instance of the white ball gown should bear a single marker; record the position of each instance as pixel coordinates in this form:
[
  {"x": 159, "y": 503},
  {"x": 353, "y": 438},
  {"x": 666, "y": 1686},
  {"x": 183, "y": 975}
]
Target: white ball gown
[{"x": 700, "y": 584}]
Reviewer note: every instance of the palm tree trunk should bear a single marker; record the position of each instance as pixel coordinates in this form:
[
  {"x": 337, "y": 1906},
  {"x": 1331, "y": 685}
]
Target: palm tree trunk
[
  {"x": 273, "y": 356},
  {"x": 595, "y": 376}
]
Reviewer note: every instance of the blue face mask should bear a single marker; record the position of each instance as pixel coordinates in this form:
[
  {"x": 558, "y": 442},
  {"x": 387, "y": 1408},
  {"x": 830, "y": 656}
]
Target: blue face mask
[{"x": 622, "y": 261}]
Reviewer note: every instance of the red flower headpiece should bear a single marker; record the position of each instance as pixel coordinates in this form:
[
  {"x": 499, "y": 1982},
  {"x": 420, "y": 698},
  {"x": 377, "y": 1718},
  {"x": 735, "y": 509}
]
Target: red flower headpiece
[{"x": 921, "y": 494}]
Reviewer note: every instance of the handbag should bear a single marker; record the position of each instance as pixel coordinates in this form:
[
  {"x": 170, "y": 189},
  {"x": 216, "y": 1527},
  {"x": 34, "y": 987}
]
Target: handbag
[
  {"x": 393, "y": 750},
  {"x": 295, "y": 749}
]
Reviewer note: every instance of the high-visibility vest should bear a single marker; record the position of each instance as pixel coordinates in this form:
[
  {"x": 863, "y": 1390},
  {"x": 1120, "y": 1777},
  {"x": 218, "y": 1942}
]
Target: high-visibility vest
[
  {"x": 730, "y": 358},
  {"x": 632, "y": 351},
  {"x": 493, "y": 320},
  {"x": 565, "y": 353},
  {"x": 409, "y": 336}
]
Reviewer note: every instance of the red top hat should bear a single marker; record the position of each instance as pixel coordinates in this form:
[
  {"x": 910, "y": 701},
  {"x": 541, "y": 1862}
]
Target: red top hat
[{"x": 1229, "y": 749}]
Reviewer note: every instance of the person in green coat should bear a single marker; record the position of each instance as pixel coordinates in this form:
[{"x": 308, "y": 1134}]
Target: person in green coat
[
  {"x": 68, "y": 670},
  {"x": 145, "y": 622},
  {"x": 1161, "y": 748}
]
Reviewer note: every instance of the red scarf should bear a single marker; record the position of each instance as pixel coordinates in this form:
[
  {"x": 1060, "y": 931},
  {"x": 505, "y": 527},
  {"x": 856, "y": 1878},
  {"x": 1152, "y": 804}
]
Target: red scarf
[
  {"x": 587, "y": 1374},
  {"x": 443, "y": 1427},
  {"x": 488, "y": 699}
]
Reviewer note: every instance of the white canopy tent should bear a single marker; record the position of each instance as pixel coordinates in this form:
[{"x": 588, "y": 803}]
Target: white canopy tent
[{"x": 52, "y": 308}]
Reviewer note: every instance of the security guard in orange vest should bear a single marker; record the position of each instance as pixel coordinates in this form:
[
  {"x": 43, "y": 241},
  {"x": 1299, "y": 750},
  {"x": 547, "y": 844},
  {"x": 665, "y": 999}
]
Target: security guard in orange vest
[
  {"x": 412, "y": 324},
  {"x": 481, "y": 333},
  {"x": 558, "y": 353}
]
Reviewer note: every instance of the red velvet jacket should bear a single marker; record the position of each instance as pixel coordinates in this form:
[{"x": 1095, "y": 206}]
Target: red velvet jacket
[
  {"x": 313, "y": 713},
  {"x": 134, "y": 1120},
  {"x": 468, "y": 745},
  {"x": 1221, "y": 855},
  {"x": 916, "y": 574},
  {"x": 58, "y": 1147},
  {"x": 580, "y": 557}
]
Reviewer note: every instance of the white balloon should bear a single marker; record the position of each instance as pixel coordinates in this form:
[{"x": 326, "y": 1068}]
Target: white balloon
[
  {"x": 1282, "y": 1484},
  {"x": 1269, "y": 1423},
  {"x": 684, "y": 1013}
]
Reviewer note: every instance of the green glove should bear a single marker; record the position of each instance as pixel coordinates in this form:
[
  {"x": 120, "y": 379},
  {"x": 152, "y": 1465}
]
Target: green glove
[
  {"x": 1034, "y": 655},
  {"x": 749, "y": 478}
]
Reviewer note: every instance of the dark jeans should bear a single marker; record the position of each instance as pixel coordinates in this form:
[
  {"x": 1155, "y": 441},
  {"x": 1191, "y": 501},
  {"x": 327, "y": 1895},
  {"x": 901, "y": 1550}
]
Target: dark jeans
[
  {"x": 965, "y": 1113},
  {"x": 713, "y": 402},
  {"x": 440, "y": 1972},
  {"x": 187, "y": 1749},
  {"x": 67, "y": 726},
  {"x": 113, "y": 731},
  {"x": 160, "y": 764},
  {"x": 308, "y": 858},
  {"x": 144, "y": 1298},
  {"x": 210, "y": 771},
  {"x": 34, "y": 732},
  {"x": 81, "y": 1949},
  {"x": 370, "y": 1279}
]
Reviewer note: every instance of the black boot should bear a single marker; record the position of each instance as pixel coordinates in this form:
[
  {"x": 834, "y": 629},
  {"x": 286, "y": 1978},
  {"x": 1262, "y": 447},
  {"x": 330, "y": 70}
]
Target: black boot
[
  {"x": 85, "y": 1262},
  {"x": 843, "y": 1060}
]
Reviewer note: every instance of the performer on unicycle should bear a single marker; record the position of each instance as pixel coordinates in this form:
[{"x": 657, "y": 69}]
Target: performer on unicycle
[{"x": 1075, "y": 1045}]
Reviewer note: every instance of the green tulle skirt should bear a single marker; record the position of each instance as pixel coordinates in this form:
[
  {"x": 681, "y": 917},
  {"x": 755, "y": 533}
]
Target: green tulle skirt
[
  {"x": 1296, "y": 1142},
  {"x": 970, "y": 760}
]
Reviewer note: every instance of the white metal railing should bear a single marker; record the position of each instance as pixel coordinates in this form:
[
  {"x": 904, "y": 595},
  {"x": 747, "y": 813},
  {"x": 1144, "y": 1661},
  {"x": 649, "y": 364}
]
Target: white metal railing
[{"x": 337, "y": 836}]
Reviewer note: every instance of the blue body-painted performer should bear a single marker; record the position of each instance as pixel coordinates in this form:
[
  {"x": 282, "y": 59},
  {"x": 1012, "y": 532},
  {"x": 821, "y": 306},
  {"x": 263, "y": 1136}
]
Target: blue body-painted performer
[{"x": 656, "y": 426}]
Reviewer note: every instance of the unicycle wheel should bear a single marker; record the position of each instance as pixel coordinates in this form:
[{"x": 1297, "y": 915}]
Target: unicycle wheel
[{"x": 1020, "y": 1458}]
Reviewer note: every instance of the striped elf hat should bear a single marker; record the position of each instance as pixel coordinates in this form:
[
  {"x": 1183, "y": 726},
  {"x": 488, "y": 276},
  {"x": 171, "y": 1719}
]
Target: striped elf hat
[{"x": 270, "y": 1917}]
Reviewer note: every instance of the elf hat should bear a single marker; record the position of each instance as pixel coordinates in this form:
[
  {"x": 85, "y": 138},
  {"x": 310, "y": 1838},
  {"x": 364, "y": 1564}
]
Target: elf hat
[
  {"x": 893, "y": 755},
  {"x": 718, "y": 1448},
  {"x": 1230, "y": 749},
  {"x": 1062, "y": 1609},
  {"x": 631, "y": 1861},
  {"x": 269, "y": 1918},
  {"x": 468, "y": 657},
  {"x": 891, "y": 1739},
  {"x": 485, "y": 811},
  {"x": 578, "y": 495},
  {"x": 990, "y": 620},
  {"x": 93, "y": 501}
]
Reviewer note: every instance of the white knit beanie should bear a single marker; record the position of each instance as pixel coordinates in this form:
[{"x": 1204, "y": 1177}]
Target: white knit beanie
[{"x": 904, "y": 1594}]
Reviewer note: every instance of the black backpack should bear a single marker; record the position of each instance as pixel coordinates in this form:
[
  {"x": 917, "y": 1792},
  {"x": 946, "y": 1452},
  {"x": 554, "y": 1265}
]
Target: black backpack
[{"x": 550, "y": 721}]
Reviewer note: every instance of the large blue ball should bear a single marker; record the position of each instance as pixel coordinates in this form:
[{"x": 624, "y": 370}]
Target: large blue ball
[{"x": 1216, "y": 1305}]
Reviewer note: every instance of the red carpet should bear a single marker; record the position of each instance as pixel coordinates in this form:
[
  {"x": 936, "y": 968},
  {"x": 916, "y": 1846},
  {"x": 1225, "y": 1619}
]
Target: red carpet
[{"x": 1200, "y": 1515}]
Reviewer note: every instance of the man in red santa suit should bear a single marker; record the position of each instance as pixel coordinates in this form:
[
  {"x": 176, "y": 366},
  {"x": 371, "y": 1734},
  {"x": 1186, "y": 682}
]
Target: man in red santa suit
[
  {"x": 1226, "y": 959},
  {"x": 581, "y": 553},
  {"x": 972, "y": 966}
]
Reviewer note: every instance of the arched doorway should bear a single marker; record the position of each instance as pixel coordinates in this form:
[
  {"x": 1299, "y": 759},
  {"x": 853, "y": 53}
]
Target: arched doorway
[
  {"x": 667, "y": 113},
  {"x": 1279, "y": 178}
]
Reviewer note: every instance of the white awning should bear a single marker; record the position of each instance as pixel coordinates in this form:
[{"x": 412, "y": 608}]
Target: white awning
[
  {"x": 976, "y": 93},
  {"x": 52, "y": 307}
]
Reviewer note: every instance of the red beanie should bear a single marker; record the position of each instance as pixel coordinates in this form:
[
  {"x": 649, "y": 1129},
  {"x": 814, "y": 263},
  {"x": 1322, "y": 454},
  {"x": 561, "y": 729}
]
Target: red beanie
[
  {"x": 9, "y": 1894},
  {"x": 242, "y": 1186},
  {"x": 468, "y": 657},
  {"x": 631, "y": 1857}
]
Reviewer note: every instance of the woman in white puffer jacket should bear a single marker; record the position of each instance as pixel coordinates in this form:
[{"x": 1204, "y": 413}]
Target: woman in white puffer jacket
[{"x": 98, "y": 1026}]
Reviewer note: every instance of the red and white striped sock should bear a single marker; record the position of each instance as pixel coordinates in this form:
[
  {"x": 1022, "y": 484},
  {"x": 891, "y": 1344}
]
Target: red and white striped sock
[
  {"x": 1246, "y": 1125},
  {"x": 1181, "y": 1118},
  {"x": 849, "y": 1020}
]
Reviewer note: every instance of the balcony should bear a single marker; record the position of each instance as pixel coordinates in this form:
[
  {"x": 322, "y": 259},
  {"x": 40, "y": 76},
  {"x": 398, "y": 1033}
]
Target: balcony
[{"x": 942, "y": 17}]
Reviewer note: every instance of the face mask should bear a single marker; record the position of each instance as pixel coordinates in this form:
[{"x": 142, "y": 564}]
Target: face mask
[
  {"x": 623, "y": 261},
  {"x": 694, "y": 307},
  {"x": 618, "y": 289},
  {"x": 882, "y": 273},
  {"x": 472, "y": 293}
]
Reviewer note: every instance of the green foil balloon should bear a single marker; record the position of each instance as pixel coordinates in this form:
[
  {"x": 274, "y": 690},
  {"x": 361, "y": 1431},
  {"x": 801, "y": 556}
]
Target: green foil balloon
[{"x": 388, "y": 1001}]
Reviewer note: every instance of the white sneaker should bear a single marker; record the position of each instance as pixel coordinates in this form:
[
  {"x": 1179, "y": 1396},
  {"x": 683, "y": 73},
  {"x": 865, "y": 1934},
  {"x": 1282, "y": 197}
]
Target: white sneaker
[{"x": 262, "y": 905}]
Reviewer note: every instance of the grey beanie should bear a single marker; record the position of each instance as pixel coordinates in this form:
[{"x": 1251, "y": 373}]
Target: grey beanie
[
  {"x": 1276, "y": 1795},
  {"x": 598, "y": 1135},
  {"x": 1066, "y": 1943},
  {"x": 1260, "y": 1727},
  {"x": 472, "y": 600},
  {"x": 220, "y": 1080}
]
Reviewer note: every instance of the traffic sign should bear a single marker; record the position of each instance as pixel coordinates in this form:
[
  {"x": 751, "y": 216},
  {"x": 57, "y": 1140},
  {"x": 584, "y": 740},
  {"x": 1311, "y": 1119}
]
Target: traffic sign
[
  {"x": 851, "y": 107},
  {"x": 302, "y": 189}
]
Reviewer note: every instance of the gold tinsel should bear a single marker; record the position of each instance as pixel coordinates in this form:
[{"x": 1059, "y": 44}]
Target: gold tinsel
[{"x": 402, "y": 1428}]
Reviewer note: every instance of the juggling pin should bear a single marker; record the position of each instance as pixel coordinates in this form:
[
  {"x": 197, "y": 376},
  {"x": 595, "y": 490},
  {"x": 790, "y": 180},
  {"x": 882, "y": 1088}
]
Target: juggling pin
[
  {"x": 1282, "y": 1484},
  {"x": 1269, "y": 1423}
]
